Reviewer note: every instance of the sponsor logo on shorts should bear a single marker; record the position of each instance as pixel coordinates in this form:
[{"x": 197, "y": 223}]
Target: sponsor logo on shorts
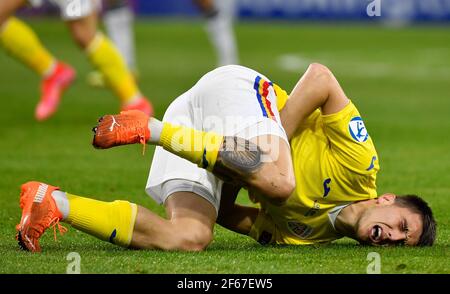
[
  {"x": 358, "y": 130},
  {"x": 300, "y": 230}
]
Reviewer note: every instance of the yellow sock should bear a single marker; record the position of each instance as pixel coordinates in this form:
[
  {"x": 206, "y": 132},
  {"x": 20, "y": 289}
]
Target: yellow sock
[
  {"x": 22, "y": 43},
  {"x": 107, "y": 59},
  {"x": 108, "y": 221},
  {"x": 196, "y": 146}
]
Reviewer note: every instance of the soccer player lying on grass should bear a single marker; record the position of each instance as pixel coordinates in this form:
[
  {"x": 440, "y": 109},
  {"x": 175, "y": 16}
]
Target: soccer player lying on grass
[
  {"x": 335, "y": 164},
  {"x": 81, "y": 17}
]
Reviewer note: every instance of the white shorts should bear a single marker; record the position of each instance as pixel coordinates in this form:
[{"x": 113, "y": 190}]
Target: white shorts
[
  {"x": 72, "y": 9},
  {"x": 230, "y": 100}
]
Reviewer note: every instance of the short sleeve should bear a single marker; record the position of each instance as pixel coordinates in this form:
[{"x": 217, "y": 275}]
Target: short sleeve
[{"x": 349, "y": 140}]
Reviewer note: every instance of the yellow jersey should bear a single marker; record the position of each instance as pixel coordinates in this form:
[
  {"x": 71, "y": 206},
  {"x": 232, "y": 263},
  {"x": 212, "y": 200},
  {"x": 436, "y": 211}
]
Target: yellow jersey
[{"x": 335, "y": 164}]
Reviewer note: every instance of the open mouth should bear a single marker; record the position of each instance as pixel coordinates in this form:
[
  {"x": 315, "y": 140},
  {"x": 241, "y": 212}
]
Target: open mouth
[{"x": 375, "y": 233}]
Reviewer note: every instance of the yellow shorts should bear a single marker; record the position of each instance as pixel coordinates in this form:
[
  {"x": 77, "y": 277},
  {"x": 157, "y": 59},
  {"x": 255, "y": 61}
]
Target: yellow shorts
[{"x": 264, "y": 231}]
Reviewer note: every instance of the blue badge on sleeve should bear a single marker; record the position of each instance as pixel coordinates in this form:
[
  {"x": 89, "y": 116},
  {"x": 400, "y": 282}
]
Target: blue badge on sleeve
[{"x": 358, "y": 129}]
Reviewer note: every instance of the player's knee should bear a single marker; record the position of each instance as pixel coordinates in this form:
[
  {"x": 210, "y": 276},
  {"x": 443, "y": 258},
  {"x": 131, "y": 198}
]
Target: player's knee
[
  {"x": 317, "y": 70},
  {"x": 194, "y": 239},
  {"x": 82, "y": 37}
]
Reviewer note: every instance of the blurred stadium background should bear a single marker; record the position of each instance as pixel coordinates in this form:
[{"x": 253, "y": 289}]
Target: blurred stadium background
[
  {"x": 405, "y": 11},
  {"x": 395, "y": 65}
]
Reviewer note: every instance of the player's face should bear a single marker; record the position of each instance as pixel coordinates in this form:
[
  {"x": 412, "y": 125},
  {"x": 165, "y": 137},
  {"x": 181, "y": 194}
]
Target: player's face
[{"x": 389, "y": 224}]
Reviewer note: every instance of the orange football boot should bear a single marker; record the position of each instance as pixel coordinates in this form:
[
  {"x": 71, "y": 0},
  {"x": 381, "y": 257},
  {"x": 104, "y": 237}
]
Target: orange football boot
[
  {"x": 39, "y": 212},
  {"x": 141, "y": 104},
  {"x": 52, "y": 88},
  {"x": 128, "y": 127}
]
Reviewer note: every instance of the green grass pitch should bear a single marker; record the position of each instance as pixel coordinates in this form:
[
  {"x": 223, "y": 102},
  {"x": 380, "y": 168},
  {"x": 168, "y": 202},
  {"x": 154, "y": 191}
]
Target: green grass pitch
[{"x": 398, "y": 78}]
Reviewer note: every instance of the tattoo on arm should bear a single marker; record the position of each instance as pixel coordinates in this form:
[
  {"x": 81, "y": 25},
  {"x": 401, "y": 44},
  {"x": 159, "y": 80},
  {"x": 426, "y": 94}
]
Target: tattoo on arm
[{"x": 237, "y": 158}]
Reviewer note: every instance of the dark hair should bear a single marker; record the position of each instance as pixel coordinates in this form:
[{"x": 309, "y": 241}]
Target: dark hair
[{"x": 418, "y": 205}]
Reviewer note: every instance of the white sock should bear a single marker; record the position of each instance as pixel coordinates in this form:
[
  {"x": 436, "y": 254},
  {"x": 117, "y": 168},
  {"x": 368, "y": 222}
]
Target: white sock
[
  {"x": 61, "y": 202},
  {"x": 220, "y": 31},
  {"x": 119, "y": 24},
  {"x": 155, "y": 127}
]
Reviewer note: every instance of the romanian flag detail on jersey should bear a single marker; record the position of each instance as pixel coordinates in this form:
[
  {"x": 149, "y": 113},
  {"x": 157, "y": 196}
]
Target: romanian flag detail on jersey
[{"x": 261, "y": 87}]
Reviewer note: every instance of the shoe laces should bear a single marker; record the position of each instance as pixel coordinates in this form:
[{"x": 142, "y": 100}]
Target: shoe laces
[
  {"x": 54, "y": 223},
  {"x": 142, "y": 141}
]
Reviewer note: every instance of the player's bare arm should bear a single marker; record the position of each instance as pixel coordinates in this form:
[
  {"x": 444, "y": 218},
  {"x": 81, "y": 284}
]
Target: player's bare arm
[
  {"x": 235, "y": 217},
  {"x": 318, "y": 87}
]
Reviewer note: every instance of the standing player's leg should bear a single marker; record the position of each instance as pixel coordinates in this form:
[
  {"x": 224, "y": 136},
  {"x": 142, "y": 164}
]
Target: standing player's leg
[
  {"x": 22, "y": 43},
  {"x": 189, "y": 225},
  {"x": 219, "y": 26},
  {"x": 119, "y": 22},
  {"x": 107, "y": 59},
  {"x": 118, "y": 19}
]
